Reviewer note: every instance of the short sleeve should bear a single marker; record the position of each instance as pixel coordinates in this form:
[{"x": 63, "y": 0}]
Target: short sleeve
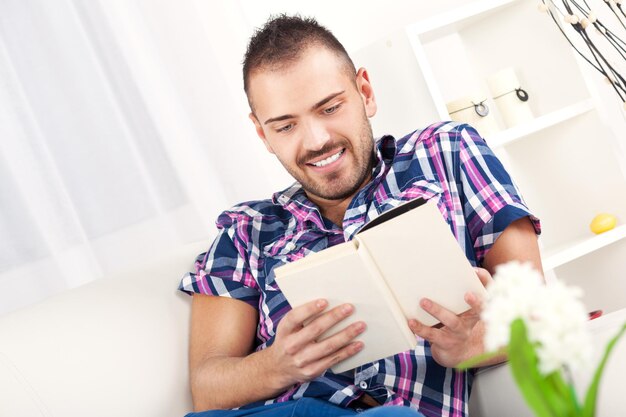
[
  {"x": 224, "y": 270},
  {"x": 491, "y": 200}
]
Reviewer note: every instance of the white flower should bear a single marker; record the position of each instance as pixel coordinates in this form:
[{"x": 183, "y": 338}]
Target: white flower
[
  {"x": 553, "y": 314},
  {"x": 511, "y": 295}
]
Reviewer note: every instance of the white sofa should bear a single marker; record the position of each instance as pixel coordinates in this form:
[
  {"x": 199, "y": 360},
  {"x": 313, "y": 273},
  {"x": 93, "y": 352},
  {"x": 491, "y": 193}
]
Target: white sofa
[
  {"x": 118, "y": 347},
  {"x": 115, "y": 347}
]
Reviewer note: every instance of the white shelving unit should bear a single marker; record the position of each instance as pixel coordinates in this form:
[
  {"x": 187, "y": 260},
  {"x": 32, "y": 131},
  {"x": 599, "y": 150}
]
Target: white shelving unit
[
  {"x": 441, "y": 26},
  {"x": 540, "y": 123},
  {"x": 568, "y": 161},
  {"x": 575, "y": 250}
]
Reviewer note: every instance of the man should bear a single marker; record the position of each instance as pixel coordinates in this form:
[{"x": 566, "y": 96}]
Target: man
[{"x": 249, "y": 349}]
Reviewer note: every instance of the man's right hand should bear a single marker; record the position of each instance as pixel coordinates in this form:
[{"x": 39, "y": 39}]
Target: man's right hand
[{"x": 296, "y": 356}]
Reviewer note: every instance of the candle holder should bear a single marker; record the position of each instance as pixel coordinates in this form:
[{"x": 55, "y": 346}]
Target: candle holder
[{"x": 474, "y": 110}]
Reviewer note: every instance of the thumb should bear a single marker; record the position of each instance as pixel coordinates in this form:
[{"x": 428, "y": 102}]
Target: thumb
[{"x": 484, "y": 276}]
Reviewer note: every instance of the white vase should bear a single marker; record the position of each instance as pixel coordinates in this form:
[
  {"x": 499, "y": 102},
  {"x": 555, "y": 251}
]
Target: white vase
[
  {"x": 510, "y": 97},
  {"x": 474, "y": 110}
]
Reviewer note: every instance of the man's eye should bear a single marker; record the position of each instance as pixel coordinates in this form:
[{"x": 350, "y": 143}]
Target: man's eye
[
  {"x": 285, "y": 128},
  {"x": 331, "y": 110}
]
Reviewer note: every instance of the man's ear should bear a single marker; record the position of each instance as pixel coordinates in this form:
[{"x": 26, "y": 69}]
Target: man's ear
[
  {"x": 367, "y": 92},
  {"x": 260, "y": 132}
]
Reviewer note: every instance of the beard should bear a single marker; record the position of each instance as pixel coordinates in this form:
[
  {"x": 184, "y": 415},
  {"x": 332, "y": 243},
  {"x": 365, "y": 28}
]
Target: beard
[{"x": 345, "y": 183}]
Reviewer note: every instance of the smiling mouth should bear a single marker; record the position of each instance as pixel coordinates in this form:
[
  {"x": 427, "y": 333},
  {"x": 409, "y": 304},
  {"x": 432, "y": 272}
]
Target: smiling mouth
[{"x": 328, "y": 160}]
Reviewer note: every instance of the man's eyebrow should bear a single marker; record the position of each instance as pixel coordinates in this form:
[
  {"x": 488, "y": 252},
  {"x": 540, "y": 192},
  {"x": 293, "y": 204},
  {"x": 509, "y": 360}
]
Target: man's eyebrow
[
  {"x": 327, "y": 99},
  {"x": 315, "y": 106},
  {"x": 278, "y": 119}
]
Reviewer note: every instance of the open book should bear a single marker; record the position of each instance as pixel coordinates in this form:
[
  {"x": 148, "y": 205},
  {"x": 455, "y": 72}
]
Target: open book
[{"x": 403, "y": 255}]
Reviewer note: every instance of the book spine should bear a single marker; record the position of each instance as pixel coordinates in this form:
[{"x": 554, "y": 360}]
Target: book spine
[{"x": 386, "y": 293}]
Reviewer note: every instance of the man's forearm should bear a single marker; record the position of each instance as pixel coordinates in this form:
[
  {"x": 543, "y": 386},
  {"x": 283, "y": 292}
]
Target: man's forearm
[
  {"x": 224, "y": 375},
  {"x": 227, "y": 382}
]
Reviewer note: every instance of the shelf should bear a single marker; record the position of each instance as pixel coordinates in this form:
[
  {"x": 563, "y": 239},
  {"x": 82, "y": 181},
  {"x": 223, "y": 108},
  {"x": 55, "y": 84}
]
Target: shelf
[
  {"x": 513, "y": 134},
  {"x": 481, "y": 38},
  {"x": 572, "y": 251},
  {"x": 424, "y": 31},
  {"x": 450, "y": 22},
  {"x": 456, "y": 53}
]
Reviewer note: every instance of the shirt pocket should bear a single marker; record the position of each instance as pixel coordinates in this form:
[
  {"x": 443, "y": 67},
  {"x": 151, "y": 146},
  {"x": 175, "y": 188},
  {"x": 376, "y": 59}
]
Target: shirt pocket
[{"x": 289, "y": 248}]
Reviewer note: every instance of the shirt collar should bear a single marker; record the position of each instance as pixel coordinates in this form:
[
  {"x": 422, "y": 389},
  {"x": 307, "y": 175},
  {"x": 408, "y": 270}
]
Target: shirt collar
[{"x": 385, "y": 154}]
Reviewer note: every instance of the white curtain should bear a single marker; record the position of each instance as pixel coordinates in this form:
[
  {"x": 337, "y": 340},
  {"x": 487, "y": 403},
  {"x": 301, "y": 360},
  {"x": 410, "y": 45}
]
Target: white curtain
[{"x": 122, "y": 125}]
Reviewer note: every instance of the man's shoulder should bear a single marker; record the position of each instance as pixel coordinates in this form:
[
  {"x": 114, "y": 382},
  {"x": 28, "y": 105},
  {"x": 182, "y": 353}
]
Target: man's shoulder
[
  {"x": 252, "y": 211},
  {"x": 251, "y": 223},
  {"x": 444, "y": 135}
]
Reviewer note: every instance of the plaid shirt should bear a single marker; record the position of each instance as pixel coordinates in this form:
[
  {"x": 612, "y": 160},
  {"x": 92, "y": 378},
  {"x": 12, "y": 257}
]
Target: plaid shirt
[{"x": 447, "y": 162}]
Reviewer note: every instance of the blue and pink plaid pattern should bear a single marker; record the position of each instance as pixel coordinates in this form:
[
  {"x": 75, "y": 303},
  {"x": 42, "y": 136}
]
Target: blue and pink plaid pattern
[{"x": 447, "y": 162}]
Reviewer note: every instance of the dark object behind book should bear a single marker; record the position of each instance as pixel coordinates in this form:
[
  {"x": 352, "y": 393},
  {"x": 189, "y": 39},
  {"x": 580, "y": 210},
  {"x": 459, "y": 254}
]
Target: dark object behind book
[{"x": 394, "y": 212}]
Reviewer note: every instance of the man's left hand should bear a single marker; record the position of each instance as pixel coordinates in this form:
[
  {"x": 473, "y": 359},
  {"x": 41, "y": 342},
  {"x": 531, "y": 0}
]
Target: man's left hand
[{"x": 460, "y": 337}]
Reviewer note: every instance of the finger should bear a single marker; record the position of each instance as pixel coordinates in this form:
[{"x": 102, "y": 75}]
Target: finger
[
  {"x": 475, "y": 302},
  {"x": 425, "y": 332},
  {"x": 293, "y": 320},
  {"x": 472, "y": 316},
  {"x": 317, "y": 368},
  {"x": 334, "y": 343},
  {"x": 484, "y": 276},
  {"x": 313, "y": 330},
  {"x": 445, "y": 316}
]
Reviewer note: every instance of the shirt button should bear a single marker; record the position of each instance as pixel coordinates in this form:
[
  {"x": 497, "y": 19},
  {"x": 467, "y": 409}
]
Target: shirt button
[
  {"x": 363, "y": 385},
  {"x": 290, "y": 246}
]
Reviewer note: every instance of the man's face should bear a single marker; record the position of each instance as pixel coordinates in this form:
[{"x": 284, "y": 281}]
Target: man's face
[{"x": 313, "y": 115}]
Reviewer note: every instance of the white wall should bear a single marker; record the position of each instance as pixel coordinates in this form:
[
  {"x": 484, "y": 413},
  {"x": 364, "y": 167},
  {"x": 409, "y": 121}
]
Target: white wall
[
  {"x": 168, "y": 78},
  {"x": 355, "y": 23}
]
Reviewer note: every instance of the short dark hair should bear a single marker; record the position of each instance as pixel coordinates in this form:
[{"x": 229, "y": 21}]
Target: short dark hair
[{"x": 283, "y": 39}]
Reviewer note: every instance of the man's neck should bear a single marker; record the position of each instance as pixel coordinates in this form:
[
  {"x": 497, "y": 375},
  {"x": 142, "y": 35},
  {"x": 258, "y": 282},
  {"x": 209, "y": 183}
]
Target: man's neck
[{"x": 335, "y": 212}]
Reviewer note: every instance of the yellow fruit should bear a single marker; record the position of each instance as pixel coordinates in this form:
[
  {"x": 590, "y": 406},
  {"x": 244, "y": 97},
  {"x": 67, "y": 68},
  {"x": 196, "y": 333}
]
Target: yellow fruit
[{"x": 602, "y": 223}]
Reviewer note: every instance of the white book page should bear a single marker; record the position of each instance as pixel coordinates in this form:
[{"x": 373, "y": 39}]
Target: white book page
[
  {"x": 347, "y": 280},
  {"x": 419, "y": 257}
]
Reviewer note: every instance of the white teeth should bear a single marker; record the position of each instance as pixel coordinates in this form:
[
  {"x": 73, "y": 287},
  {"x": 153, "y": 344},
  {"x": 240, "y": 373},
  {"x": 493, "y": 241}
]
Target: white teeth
[{"x": 329, "y": 160}]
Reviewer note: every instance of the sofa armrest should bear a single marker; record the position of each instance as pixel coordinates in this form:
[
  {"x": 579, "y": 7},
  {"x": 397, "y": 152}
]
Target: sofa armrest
[
  {"x": 114, "y": 347},
  {"x": 494, "y": 393}
]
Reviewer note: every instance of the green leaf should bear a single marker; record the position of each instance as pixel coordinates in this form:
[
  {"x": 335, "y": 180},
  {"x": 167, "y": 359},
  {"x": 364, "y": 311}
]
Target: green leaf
[
  {"x": 540, "y": 394},
  {"x": 560, "y": 386},
  {"x": 476, "y": 360},
  {"x": 565, "y": 390},
  {"x": 592, "y": 392}
]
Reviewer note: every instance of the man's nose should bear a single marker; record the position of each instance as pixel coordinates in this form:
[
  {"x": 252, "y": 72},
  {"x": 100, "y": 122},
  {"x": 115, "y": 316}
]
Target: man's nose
[{"x": 315, "y": 136}]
